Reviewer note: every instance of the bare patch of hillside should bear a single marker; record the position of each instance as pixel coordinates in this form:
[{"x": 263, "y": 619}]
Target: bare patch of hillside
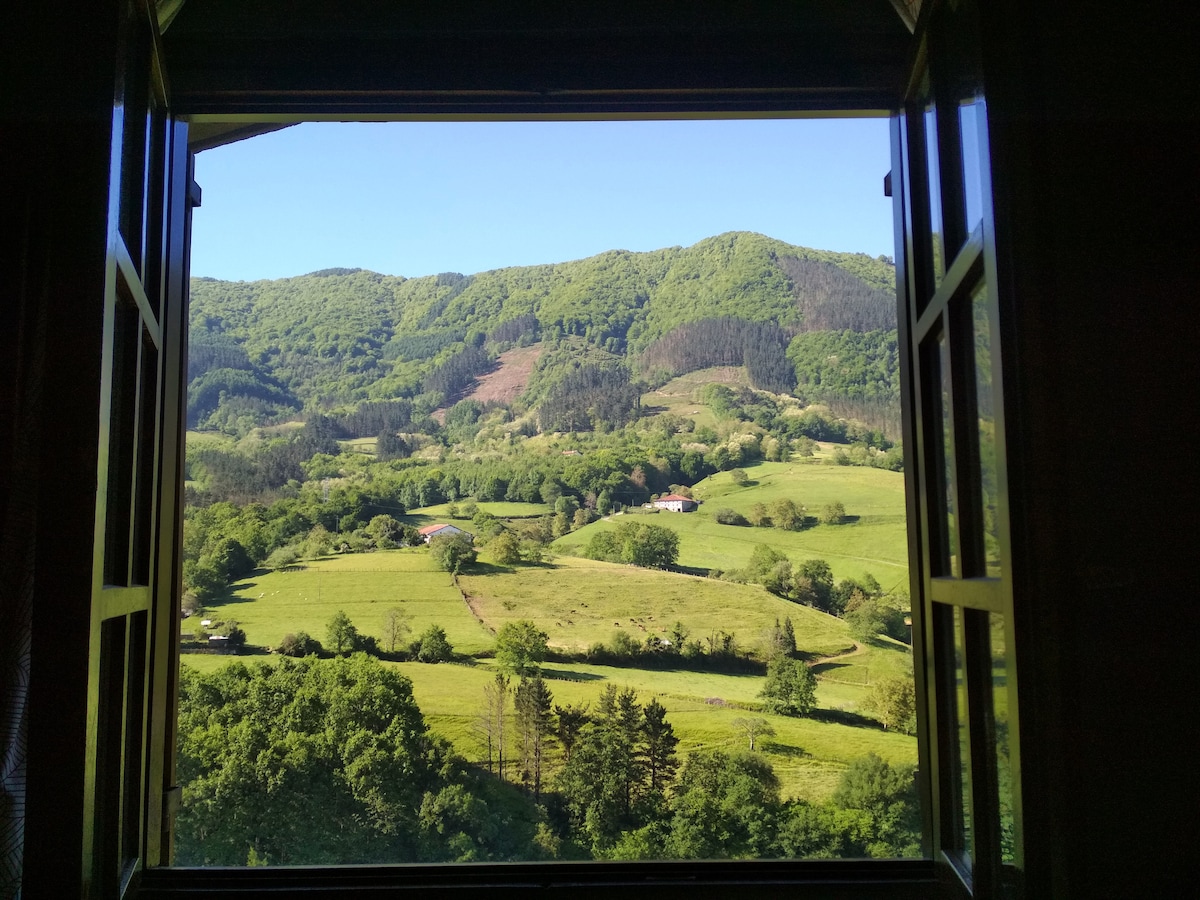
[{"x": 507, "y": 381}]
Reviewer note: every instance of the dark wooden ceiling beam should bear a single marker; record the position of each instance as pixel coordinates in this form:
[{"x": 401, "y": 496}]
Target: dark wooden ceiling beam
[{"x": 807, "y": 55}]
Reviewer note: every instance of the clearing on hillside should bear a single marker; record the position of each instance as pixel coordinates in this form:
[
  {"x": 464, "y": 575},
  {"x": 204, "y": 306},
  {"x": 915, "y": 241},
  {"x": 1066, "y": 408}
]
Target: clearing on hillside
[
  {"x": 269, "y": 605},
  {"x": 507, "y": 381},
  {"x": 581, "y": 601},
  {"x": 873, "y": 541}
]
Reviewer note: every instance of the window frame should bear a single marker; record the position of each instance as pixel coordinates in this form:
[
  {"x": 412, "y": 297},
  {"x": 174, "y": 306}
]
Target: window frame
[{"x": 939, "y": 874}]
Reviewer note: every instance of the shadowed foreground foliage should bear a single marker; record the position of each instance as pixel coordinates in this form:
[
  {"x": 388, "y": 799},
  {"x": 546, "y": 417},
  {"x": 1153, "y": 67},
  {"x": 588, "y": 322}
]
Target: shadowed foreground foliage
[
  {"x": 318, "y": 762},
  {"x": 329, "y": 761}
]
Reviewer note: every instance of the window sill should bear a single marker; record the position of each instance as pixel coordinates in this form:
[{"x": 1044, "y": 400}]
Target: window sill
[{"x": 827, "y": 879}]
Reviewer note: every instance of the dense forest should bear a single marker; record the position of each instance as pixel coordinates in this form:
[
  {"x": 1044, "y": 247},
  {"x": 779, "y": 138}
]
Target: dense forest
[{"x": 263, "y": 351}]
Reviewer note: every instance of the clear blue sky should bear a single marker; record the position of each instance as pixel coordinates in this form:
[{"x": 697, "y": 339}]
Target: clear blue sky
[{"x": 420, "y": 198}]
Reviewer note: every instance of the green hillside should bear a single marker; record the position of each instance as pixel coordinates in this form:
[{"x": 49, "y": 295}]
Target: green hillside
[
  {"x": 873, "y": 541},
  {"x": 267, "y": 348},
  {"x": 578, "y": 602}
]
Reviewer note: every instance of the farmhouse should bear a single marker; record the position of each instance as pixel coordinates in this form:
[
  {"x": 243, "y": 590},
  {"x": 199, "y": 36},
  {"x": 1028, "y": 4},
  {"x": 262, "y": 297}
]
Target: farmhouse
[
  {"x": 675, "y": 503},
  {"x": 429, "y": 532}
]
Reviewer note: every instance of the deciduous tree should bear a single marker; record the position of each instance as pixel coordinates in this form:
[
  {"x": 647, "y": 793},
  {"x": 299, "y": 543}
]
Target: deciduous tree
[
  {"x": 395, "y": 627},
  {"x": 790, "y": 689},
  {"x": 521, "y": 646},
  {"x": 893, "y": 700},
  {"x": 340, "y": 634},
  {"x": 754, "y": 728}
]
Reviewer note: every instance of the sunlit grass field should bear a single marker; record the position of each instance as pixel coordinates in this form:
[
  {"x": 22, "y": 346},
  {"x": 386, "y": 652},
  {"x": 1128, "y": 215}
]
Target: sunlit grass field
[
  {"x": 808, "y": 755},
  {"x": 873, "y": 541},
  {"x": 365, "y": 586},
  {"x": 501, "y": 509},
  {"x": 580, "y": 601},
  {"x": 681, "y": 396}
]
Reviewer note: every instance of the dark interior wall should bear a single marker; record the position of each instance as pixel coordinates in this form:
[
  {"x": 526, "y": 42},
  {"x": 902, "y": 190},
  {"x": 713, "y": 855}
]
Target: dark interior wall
[
  {"x": 55, "y": 131},
  {"x": 1096, "y": 169},
  {"x": 1096, "y": 179}
]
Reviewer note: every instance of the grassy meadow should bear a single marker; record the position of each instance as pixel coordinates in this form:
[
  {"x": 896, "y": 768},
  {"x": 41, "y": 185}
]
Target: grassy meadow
[
  {"x": 365, "y": 586},
  {"x": 579, "y": 602},
  {"x": 681, "y": 396},
  {"x": 808, "y": 755},
  {"x": 501, "y": 509},
  {"x": 872, "y": 541}
]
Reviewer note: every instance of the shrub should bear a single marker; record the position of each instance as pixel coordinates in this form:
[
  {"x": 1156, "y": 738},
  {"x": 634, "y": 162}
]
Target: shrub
[
  {"x": 432, "y": 646},
  {"x": 190, "y": 604},
  {"x": 624, "y": 644},
  {"x": 299, "y": 644},
  {"x": 728, "y": 516},
  {"x": 833, "y": 514},
  {"x": 236, "y": 636}
]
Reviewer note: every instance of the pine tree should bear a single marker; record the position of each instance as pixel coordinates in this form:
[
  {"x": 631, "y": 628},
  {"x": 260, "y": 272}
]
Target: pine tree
[
  {"x": 491, "y": 722},
  {"x": 533, "y": 702},
  {"x": 659, "y": 743}
]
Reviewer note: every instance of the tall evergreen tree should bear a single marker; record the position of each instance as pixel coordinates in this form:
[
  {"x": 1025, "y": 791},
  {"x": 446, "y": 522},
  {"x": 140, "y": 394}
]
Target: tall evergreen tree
[
  {"x": 532, "y": 704},
  {"x": 659, "y": 744}
]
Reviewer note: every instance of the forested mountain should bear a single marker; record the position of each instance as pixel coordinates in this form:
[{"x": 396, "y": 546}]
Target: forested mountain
[{"x": 264, "y": 350}]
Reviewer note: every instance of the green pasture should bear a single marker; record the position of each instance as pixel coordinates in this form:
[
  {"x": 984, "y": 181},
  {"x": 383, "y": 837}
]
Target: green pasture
[
  {"x": 269, "y": 605},
  {"x": 873, "y": 541},
  {"x": 360, "y": 445},
  {"x": 681, "y": 396},
  {"x": 198, "y": 439},
  {"x": 864, "y": 491},
  {"x": 501, "y": 509},
  {"x": 580, "y": 601},
  {"x": 807, "y": 754}
]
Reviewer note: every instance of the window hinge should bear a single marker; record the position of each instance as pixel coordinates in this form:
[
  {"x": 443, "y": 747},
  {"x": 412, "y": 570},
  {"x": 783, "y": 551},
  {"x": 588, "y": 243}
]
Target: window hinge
[{"x": 194, "y": 194}]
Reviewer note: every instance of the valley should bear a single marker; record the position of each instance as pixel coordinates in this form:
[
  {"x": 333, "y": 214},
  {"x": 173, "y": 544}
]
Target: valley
[{"x": 540, "y": 412}]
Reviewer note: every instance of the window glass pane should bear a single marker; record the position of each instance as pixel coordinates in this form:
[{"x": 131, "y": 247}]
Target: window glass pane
[
  {"x": 987, "y": 427},
  {"x": 954, "y": 566},
  {"x": 1000, "y": 713},
  {"x": 936, "y": 227},
  {"x": 970, "y": 120},
  {"x": 962, "y": 737}
]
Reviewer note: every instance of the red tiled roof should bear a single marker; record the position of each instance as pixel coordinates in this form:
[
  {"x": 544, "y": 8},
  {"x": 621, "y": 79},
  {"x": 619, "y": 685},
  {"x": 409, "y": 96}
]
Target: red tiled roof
[
  {"x": 430, "y": 529},
  {"x": 674, "y": 497}
]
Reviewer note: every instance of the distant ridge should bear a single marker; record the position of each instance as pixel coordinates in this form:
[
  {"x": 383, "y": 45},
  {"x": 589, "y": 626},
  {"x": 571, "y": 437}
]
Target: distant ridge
[{"x": 341, "y": 335}]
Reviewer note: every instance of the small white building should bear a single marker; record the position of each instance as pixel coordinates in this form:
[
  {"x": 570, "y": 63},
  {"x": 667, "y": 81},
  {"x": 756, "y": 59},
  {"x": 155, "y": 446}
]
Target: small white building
[
  {"x": 675, "y": 503},
  {"x": 429, "y": 532}
]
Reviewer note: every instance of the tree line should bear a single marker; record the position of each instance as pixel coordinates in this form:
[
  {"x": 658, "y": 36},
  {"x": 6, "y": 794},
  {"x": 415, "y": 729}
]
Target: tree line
[
  {"x": 725, "y": 341},
  {"x": 330, "y": 762}
]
